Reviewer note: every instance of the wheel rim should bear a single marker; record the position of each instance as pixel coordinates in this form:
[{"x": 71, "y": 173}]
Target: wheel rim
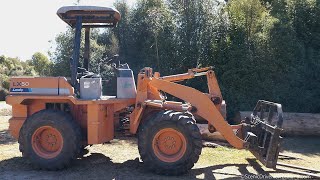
[
  {"x": 47, "y": 142},
  {"x": 169, "y": 145}
]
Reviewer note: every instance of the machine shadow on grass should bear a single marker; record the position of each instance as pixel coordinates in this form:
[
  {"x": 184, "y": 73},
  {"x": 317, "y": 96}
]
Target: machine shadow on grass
[
  {"x": 6, "y": 138},
  {"x": 99, "y": 166}
]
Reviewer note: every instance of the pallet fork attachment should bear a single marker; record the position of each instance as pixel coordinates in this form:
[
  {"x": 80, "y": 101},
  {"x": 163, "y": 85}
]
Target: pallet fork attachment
[{"x": 262, "y": 132}]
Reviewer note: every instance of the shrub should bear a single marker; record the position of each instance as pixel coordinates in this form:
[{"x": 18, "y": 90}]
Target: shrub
[
  {"x": 3, "y": 94},
  {"x": 5, "y": 81}
]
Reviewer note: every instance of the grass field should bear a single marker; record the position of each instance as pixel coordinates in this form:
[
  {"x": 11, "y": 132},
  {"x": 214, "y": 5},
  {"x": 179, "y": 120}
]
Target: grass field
[{"x": 120, "y": 160}]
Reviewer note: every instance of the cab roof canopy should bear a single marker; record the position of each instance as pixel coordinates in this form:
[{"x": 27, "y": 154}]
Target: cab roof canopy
[{"x": 92, "y": 16}]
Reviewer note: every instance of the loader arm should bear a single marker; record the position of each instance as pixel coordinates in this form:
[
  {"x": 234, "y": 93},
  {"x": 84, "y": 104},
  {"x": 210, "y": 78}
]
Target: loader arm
[{"x": 204, "y": 108}]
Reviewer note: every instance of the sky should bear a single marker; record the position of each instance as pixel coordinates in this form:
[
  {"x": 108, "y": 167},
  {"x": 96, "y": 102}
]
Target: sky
[{"x": 27, "y": 26}]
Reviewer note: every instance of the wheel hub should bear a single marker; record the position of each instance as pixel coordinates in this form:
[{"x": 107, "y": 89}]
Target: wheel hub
[
  {"x": 47, "y": 142},
  {"x": 169, "y": 142},
  {"x": 169, "y": 145},
  {"x": 51, "y": 140}
]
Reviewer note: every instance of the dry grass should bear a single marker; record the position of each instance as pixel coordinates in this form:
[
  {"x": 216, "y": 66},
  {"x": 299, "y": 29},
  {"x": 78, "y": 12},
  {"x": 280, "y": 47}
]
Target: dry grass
[{"x": 120, "y": 160}]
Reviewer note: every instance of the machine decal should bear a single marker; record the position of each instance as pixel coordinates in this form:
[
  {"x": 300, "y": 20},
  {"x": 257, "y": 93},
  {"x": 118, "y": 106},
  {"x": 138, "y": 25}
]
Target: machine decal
[
  {"x": 20, "y": 90},
  {"x": 40, "y": 91},
  {"x": 20, "y": 83}
]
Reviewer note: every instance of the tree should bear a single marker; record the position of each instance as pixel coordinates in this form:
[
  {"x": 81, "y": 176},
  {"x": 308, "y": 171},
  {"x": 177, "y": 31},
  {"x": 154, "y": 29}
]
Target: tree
[
  {"x": 41, "y": 64},
  {"x": 123, "y": 29},
  {"x": 62, "y": 53},
  {"x": 12, "y": 67},
  {"x": 197, "y": 26},
  {"x": 146, "y": 35},
  {"x": 98, "y": 52}
]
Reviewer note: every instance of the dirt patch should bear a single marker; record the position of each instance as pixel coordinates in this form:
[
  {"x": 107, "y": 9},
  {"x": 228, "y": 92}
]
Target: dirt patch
[{"x": 120, "y": 160}]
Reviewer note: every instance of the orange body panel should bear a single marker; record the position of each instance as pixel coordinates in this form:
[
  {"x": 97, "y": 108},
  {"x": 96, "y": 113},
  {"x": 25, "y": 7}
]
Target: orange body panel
[
  {"x": 19, "y": 110},
  {"x": 19, "y": 115},
  {"x": 15, "y": 124},
  {"x": 35, "y": 106},
  {"x": 63, "y": 84},
  {"x": 100, "y": 123},
  {"x": 79, "y": 112},
  {"x": 142, "y": 95},
  {"x": 96, "y": 117},
  {"x": 40, "y": 86},
  {"x": 35, "y": 82}
]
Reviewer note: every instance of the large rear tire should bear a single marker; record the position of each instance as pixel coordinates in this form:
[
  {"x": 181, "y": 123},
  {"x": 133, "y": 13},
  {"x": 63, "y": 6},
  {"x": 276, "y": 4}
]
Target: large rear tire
[
  {"x": 50, "y": 139},
  {"x": 169, "y": 142}
]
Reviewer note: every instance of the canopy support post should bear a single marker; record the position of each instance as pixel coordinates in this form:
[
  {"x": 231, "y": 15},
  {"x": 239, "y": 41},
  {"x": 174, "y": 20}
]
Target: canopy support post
[
  {"x": 76, "y": 54},
  {"x": 86, "y": 49}
]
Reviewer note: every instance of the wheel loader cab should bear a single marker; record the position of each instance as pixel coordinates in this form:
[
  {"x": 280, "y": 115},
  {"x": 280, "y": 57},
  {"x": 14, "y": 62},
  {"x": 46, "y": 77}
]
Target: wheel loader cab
[{"x": 87, "y": 84}]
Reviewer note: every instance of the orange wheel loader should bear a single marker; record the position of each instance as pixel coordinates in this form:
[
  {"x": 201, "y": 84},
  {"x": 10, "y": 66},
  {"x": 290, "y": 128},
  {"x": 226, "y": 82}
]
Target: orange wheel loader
[{"x": 54, "y": 119}]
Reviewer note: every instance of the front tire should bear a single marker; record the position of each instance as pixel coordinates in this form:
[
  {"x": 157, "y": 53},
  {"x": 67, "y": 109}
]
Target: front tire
[
  {"x": 169, "y": 142},
  {"x": 50, "y": 139}
]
